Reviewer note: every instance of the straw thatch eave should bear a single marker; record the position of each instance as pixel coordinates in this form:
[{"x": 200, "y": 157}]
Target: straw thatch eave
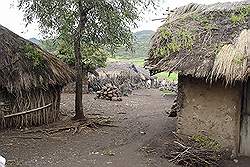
[
  {"x": 204, "y": 41},
  {"x": 25, "y": 66}
]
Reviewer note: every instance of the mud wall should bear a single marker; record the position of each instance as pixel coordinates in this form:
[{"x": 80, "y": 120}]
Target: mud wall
[{"x": 212, "y": 110}]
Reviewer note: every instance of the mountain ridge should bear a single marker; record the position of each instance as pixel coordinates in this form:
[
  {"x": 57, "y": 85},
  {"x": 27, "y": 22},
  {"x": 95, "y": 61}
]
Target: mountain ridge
[{"x": 140, "y": 46}]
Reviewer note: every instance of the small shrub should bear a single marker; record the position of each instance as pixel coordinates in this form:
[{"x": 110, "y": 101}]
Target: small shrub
[
  {"x": 33, "y": 54},
  {"x": 206, "y": 142},
  {"x": 240, "y": 15}
]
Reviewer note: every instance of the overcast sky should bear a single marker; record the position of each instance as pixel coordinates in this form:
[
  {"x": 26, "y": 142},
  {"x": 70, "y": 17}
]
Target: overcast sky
[{"x": 11, "y": 18}]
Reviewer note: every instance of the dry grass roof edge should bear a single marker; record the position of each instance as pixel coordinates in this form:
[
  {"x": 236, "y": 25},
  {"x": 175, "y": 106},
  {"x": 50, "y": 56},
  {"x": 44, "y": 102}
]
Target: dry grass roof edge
[
  {"x": 25, "y": 66},
  {"x": 204, "y": 41}
]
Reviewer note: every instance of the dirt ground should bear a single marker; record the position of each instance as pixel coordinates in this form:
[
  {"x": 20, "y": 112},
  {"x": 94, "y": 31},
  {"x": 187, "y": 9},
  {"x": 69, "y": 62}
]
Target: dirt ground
[
  {"x": 140, "y": 138},
  {"x": 140, "y": 119}
]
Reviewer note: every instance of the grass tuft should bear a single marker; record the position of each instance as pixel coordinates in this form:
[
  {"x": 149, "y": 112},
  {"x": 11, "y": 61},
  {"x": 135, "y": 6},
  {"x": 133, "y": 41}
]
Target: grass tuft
[{"x": 166, "y": 76}]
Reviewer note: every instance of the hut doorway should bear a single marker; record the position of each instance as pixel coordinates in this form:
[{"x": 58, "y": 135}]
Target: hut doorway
[{"x": 245, "y": 121}]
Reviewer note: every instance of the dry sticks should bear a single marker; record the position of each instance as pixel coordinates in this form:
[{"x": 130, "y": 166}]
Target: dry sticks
[
  {"x": 193, "y": 155},
  {"x": 109, "y": 92}
]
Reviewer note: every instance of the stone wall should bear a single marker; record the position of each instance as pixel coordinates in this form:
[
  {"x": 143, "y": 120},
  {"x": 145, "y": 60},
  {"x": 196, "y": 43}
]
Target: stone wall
[{"x": 212, "y": 110}]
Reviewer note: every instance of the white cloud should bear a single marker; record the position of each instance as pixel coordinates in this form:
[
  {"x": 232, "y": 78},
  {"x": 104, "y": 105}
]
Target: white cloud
[{"x": 12, "y": 18}]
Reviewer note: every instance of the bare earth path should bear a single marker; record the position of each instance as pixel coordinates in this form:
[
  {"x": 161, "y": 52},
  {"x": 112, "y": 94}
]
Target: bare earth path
[{"x": 140, "y": 118}]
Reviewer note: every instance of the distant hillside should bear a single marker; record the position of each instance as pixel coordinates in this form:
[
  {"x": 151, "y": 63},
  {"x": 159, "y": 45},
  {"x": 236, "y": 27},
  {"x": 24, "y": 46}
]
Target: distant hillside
[
  {"x": 140, "y": 46},
  {"x": 144, "y": 35},
  {"x": 36, "y": 41}
]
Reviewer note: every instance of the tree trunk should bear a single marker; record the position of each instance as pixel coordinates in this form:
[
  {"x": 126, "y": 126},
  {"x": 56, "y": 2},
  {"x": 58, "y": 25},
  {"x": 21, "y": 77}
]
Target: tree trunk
[
  {"x": 85, "y": 80},
  {"x": 78, "y": 64},
  {"x": 78, "y": 97}
]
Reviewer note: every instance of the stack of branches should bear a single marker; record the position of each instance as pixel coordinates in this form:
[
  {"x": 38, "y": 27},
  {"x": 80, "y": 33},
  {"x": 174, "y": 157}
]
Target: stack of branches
[
  {"x": 188, "y": 152},
  {"x": 124, "y": 81},
  {"x": 109, "y": 92}
]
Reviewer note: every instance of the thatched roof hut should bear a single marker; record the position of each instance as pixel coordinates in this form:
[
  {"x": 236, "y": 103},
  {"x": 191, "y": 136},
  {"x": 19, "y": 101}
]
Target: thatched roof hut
[
  {"x": 204, "y": 41},
  {"x": 209, "y": 46},
  {"x": 30, "y": 79}
]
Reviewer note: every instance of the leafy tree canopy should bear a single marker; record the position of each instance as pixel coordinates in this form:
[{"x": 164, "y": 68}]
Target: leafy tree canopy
[
  {"x": 94, "y": 57},
  {"x": 107, "y": 22}
]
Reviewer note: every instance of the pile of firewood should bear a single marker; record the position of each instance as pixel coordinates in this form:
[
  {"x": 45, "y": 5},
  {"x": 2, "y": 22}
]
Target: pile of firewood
[
  {"x": 109, "y": 92},
  {"x": 188, "y": 152},
  {"x": 194, "y": 156}
]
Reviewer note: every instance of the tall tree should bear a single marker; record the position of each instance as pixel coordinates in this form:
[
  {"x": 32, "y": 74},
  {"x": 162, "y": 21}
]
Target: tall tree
[{"x": 87, "y": 22}]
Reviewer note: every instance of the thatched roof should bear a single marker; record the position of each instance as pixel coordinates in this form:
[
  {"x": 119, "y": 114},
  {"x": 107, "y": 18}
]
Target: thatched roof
[
  {"x": 24, "y": 65},
  {"x": 205, "y": 41}
]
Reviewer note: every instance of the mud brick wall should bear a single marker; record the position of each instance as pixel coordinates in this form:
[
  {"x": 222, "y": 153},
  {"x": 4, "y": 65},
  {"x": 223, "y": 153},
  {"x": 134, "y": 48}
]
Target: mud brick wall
[{"x": 212, "y": 110}]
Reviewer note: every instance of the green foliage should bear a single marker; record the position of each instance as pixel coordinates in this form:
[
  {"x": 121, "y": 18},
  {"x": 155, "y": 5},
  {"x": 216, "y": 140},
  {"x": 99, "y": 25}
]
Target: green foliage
[
  {"x": 205, "y": 21},
  {"x": 183, "y": 39},
  {"x": 207, "y": 142},
  {"x": 210, "y": 26},
  {"x": 196, "y": 17},
  {"x": 95, "y": 57},
  {"x": 239, "y": 59},
  {"x": 167, "y": 76},
  {"x": 165, "y": 33},
  {"x": 200, "y": 18},
  {"x": 33, "y": 54},
  {"x": 51, "y": 45},
  {"x": 240, "y": 15},
  {"x": 236, "y": 19},
  {"x": 107, "y": 22},
  {"x": 186, "y": 38},
  {"x": 92, "y": 56}
]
